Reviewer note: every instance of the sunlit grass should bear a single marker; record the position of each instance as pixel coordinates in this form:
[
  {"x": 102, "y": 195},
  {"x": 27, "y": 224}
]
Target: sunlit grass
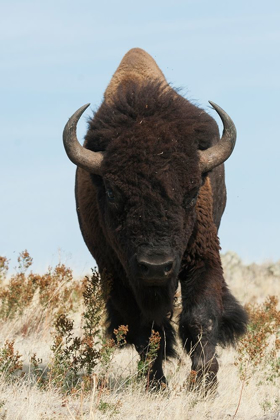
[{"x": 56, "y": 362}]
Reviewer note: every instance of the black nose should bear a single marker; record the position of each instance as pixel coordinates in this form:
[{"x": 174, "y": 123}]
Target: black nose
[{"x": 155, "y": 268}]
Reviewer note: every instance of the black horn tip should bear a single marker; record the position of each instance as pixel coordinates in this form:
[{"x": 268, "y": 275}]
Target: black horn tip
[
  {"x": 227, "y": 121},
  {"x": 72, "y": 122},
  {"x": 217, "y": 107},
  {"x": 81, "y": 110}
]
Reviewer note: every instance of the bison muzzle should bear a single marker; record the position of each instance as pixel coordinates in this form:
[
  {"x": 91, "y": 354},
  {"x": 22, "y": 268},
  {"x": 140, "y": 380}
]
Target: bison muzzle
[{"x": 150, "y": 194}]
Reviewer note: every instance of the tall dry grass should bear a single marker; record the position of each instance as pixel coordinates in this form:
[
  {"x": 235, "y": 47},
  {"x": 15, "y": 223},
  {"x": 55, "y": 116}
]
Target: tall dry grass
[{"x": 56, "y": 364}]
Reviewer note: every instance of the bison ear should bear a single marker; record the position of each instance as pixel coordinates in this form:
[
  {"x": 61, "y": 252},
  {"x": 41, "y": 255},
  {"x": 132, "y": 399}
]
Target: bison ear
[
  {"x": 216, "y": 155},
  {"x": 84, "y": 158}
]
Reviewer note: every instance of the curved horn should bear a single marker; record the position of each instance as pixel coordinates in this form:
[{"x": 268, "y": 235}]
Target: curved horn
[
  {"x": 82, "y": 157},
  {"x": 215, "y": 155}
]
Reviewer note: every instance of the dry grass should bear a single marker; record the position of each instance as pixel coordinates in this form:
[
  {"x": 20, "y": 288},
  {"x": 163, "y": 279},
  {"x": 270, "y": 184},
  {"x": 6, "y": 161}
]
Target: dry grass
[{"x": 249, "y": 376}]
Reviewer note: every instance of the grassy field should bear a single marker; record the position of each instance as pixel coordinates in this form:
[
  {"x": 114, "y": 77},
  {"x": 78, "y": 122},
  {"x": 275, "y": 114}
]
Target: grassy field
[{"x": 55, "y": 362}]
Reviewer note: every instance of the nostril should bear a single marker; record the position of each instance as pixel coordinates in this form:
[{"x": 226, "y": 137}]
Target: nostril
[
  {"x": 168, "y": 268},
  {"x": 156, "y": 267}
]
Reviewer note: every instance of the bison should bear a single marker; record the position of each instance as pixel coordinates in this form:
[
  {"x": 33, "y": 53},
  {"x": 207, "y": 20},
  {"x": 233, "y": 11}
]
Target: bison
[{"x": 150, "y": 194}]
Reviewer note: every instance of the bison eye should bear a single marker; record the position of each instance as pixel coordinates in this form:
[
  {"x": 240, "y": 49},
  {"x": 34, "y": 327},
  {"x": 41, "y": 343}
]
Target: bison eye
[
  {"x": 110, "y": 195},
  {"x": 190, "y": 202},
  {"x": 193, "y": 201}
]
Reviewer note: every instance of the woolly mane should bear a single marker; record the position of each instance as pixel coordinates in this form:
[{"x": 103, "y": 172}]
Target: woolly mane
[{"x": 151, "y": 104}]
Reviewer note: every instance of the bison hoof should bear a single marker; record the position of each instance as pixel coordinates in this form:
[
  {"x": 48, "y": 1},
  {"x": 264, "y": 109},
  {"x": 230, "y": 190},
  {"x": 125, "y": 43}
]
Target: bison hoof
[
  {"x": 206, "y": 384},
  {"x": 157, "y": 385}
]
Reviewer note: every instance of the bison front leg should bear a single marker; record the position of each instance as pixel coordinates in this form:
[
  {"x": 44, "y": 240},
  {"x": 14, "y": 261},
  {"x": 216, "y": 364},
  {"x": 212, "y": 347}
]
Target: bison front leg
[
  {"x": 199, "y": 334},
  {"x": 200, "y": 323},
  {"x": 154, "y": 344},
  {"x": 210, "y": 316}
]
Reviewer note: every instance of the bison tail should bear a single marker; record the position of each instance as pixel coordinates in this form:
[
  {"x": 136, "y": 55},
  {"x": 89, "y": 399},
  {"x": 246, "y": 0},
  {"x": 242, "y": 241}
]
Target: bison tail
[{"x": 234, "y": 320}]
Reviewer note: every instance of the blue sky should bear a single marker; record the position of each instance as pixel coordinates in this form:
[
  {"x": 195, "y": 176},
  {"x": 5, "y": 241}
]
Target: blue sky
[{"x": 59, "y": 55}]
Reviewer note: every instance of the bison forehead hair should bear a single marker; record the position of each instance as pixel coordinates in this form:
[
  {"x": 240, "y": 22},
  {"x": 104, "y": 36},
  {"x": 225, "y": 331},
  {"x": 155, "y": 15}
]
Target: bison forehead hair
[{"x": 150, "y": 115}]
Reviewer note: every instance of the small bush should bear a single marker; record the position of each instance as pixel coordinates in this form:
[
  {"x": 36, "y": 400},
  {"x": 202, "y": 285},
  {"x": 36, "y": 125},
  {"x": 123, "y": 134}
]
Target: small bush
[
  {"x": 56, "y": 290},
  {"x": 10, "y": 361},
  {"x": 4, "y": 267},
  {"x": 260, "y": 347},
  {"x": 75, "y": 358},
  {"x": 146, "y": 362}
]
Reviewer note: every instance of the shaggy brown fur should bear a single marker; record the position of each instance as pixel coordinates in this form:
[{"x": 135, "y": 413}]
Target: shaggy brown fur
[
  {"x": 136, "y": 65},
  {"x": 153, "y": 204}
]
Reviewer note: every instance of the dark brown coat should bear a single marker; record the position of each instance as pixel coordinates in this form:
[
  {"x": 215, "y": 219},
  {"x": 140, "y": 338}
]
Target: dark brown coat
[{"x": 149, "y": 213}]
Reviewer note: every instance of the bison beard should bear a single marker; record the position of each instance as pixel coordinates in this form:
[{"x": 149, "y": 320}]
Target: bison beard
[
  {"x": 151, "y": 176},
  {"x": 155, "y": 302}
]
